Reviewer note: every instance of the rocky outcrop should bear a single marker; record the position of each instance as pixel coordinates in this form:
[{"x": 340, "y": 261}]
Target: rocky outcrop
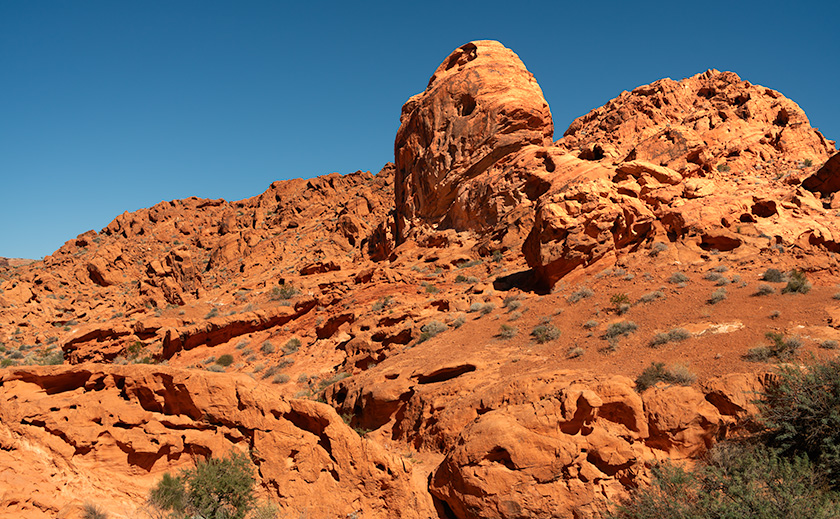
[
  {"x": 107, "y": 434},
  {"x": 480, "y": 107}
]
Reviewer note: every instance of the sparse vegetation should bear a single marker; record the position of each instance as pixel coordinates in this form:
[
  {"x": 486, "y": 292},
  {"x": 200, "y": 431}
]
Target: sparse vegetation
[
  {"x": 92, "y": 511},
  {"x": 620, "y": 329},
  {"x": 267, "y": 348},
  {"x": 590, "y": 324},
  {"x": 797, "y": 283},
  {"x": 291, "y": 346},
  {"x": 829, "y": 344},
  {"x": 717, "y": 296},
  {"x": 765, "y": 290},
  {"x": 677, "y": 278},
  {"x": 657, "y": 372},
  {"x": 673, "y": 335},
  {"x": 430, "y": 329},
  {"x": 579, "y": 294},
  {"x": 507, "y": 331},
  {"x": 225, "y": 360},
  {"x": 575, "y": 352},
  {"x": 773, "y": 276},
  {"x": 382, "y": 303},
  {"x": 545, "y": 332},
  {"x": 458, "y": 322},
  {"x": 657, "y": 248},
  {"x": 724, "y": 168},
  {"x": 283, "y": 292},
  {"x": 781, "y": 348},
  {"x": 650, "y": 297}
]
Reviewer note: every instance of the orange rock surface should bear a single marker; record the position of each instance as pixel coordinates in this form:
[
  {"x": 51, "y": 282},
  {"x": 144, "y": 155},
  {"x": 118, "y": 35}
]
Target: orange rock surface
[{"x": 372, "y": 342}]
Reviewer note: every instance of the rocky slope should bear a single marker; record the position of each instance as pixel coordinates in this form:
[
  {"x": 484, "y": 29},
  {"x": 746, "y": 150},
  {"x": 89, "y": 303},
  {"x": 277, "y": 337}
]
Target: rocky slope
[{"x": 409, "y": 303}]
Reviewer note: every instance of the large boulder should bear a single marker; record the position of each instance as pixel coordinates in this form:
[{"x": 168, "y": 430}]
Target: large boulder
[{"x": 481, "y": 105}]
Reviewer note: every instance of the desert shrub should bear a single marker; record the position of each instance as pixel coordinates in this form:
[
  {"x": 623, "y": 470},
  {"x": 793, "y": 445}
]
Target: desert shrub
[
  {"x": 717, "y": 296},
  {"x": 781, "y": 348},
  {"x": 514, "y": 316},
  {"x": 280, "y": 378},
  {"x": 458, "y": 322},
  {"x": 797, "y": 283},
  {"x": 430, "y": 329},
  {"x": 621, "y": 328},
  {"x": 468, "y": 264},
  {"x": 657, "y": 372},
  {"x": 722, "y": 282},
  {"x": 475, "y": 307},
  {"x": 774, "y": 314},
  {"x": 590, "y": 324},
  {"x": 282, "y": 292},
  {"x": 267, "y": 347},
  {"x": 225, "y": 360},
  {"x": 677, "y": 278},
  {"x": 720, "y": 268},
  {"x": 652, "y": 296},
  {"x": 507, "y": 331},
  {"x": 215, "y": 488},
  {"x": 723, "y": 168},
  {"x": 712, "y": 276},
  {"x": 773, "y": 276},
  {"x": 673, "y": 335},
  {"x": 575, "y": 352},
  {"x": 736, "y": 482},
  {"x": 212, "y": 313},
  {"x": 382, "y": 303},
  {"x": 801, "y": 411},
  {"x": 92, "y": 511},
  {"x": 765, "y": 290},
  {"x": 836, "y": 295},
  {"x": 511, "y": 303},
  {"x": 323, "y": 384},
  {"x": 582, "y": 293},
  {"x": 216, "y": 368},
  {"x": 617, "y": 300},
  {"x": 657, "y": 248},
  {"x": 431, "y": 289},
  {"x": 270, "y": 372},
  {"x": 545, "y": 332},
  {"x": 210, "y": 360},
  {"x": 829, "y": 344},
  {"x": 487, "y": 308},
  {"x": 291, "y": 346}
]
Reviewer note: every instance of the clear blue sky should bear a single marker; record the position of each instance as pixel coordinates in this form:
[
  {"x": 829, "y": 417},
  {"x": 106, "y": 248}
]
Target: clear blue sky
[{"x": 108, "y": 106}]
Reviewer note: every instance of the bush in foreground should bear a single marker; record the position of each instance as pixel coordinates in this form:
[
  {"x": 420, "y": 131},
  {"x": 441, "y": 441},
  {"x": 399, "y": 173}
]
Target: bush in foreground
[
  {"x": 215, "y": 488},
  {"x": 736, "y": 483}
]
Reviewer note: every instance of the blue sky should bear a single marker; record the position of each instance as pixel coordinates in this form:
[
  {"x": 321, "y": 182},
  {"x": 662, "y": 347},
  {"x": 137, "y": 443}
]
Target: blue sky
[{"x": 110, "y": 106}]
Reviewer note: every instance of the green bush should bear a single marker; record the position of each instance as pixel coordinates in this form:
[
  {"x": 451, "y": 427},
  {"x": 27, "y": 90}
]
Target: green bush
[
  {"x": 225, "y": 360},
  {"x": 544, "y": 333},
  {"x": 735, "y": 483},
  {"x": 781, "y": 347},
  {"x": 801, "y": 411},
  {"x": 215, "y": 488},
  {"x": 621, "y": 328},
  {"x": 797, "y": 283},
  {"x": 283, "y": 292}
]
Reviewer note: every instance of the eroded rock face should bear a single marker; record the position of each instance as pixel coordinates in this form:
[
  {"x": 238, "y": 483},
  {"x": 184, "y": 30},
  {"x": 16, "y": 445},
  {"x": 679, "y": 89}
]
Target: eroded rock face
[
  {"x": 709, "y": 120},
  {"x": 106, "y": 434},
  {"x": 481, "y": 105}
]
